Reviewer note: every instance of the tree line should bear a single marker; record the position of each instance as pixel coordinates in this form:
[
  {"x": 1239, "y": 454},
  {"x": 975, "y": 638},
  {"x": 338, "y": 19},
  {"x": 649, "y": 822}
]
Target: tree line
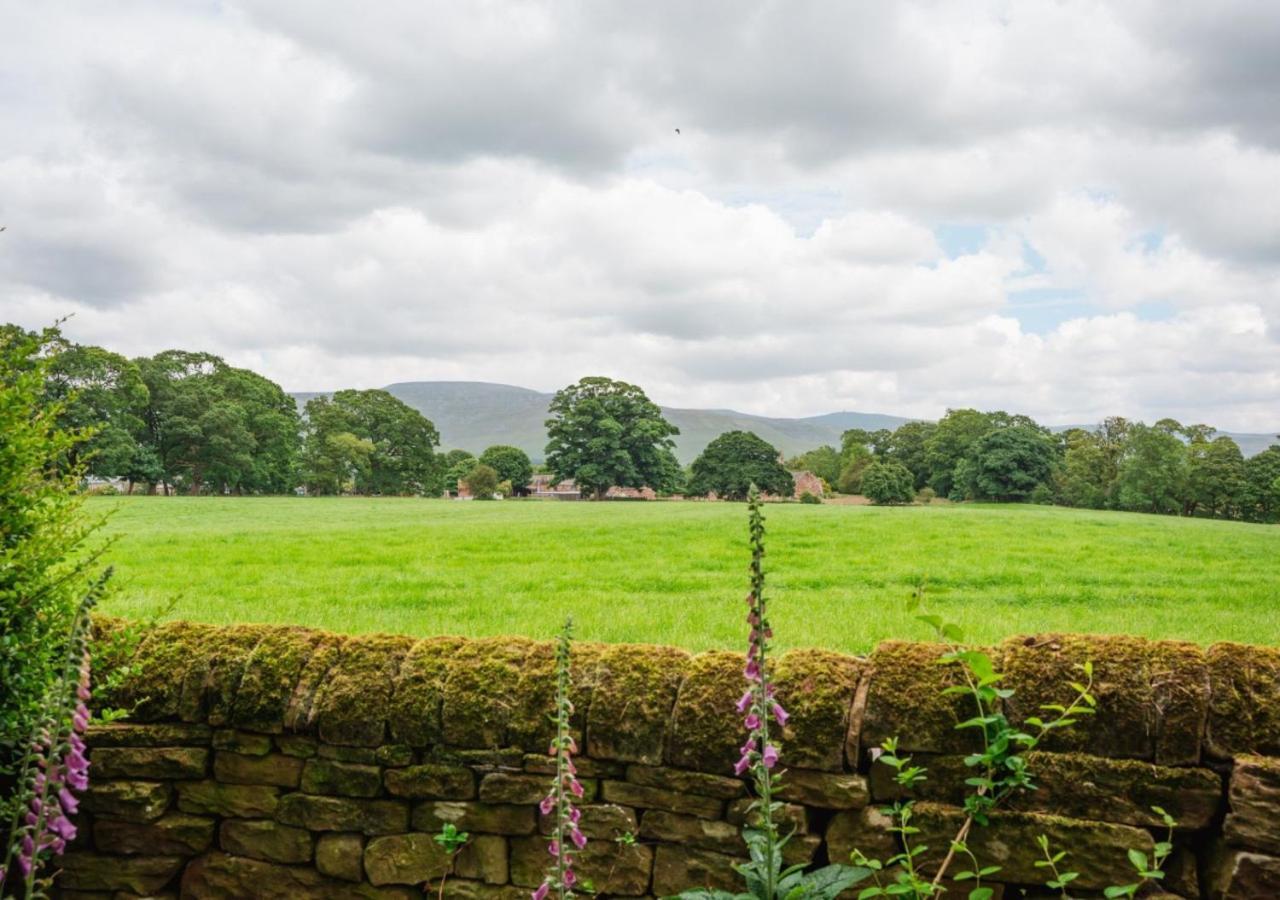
[{"x": 1167, "y": 467}]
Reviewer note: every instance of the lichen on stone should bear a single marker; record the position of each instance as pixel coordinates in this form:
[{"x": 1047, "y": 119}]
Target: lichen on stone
[
  {"x": 153, "y": 689},
  {"x": 351, "y": 705},
  {"x": 1151, "y": 695},
  {"x": 706, "y": 728},
  {"x": 816, "y": 687},
  {"x": 531, "y": 725},
  {"x": 905, "y": 700},
  {"x": 1244, "y": 712},
  {"x": 483, "y": 677},
  {"x": 418, "y": 695},
  {"x": 299, "y": 715},
  {"x": 270, "y": 676},
  {"x": 631, "y": 708}
]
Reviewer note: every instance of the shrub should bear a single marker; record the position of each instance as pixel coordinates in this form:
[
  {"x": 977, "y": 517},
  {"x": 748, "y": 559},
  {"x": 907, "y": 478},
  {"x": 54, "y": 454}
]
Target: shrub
[
  {"x": 888, "y": 483},
  {"x": 481, "y": 482},
  {"x": 809, "y": 497},
  {"x": 512, "y": 464},
  {"x": 926, "y": 495},
  {"x": 505, "y": 488}
]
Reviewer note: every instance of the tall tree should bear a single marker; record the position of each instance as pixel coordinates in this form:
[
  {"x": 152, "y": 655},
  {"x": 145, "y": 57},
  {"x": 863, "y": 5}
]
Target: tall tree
[
  {"x": 1216, "y": 481},
  {"x": 907, "y": 447},
  {"x": 950, "y": 442},
  {"x": 1007, "y": 464},
  {"x": 736, "y": 460},
  {"x": 511, "y": 463},
  {"x": 402, "y": 460},
  {"x": 822, "y": 461},
  {"x": 1262, "y": 486},
  {"x": 102, "y": 391},
  {"x": 888, "y": 483},
  {"x": 1153, "y": 470},
  {"x": 604, "y": 433}
]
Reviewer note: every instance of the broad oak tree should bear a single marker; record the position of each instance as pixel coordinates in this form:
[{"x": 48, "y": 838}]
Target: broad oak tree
[
  {"x": 604, "y": 433},
  {"x": 735, "y": 461}
]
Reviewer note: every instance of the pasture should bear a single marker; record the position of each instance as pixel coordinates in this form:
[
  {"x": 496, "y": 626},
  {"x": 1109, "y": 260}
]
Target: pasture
[{"x": 676, "y": 572}]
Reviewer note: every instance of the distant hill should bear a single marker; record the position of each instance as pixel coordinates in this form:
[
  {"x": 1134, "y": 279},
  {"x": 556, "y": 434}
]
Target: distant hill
[{"x": 473, "y": 415}]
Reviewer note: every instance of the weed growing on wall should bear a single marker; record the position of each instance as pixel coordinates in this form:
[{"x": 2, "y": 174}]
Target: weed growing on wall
[{"x": 565, "y": 787}]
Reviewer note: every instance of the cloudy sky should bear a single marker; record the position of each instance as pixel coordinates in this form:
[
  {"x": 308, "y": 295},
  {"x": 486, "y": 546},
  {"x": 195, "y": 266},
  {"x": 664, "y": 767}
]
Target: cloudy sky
[{"x": 1065, "y": 209}]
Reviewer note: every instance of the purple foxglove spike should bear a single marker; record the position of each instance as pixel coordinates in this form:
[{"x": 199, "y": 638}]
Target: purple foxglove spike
[
  {"x": 780, "y": 714},
  {"x": 77, "y": 780},
  {"x": 570, "y": 879},
  {"x": 576, "y": 788},
  {"x": 752, "y": 671},
  {"x": 579, "y": 839},
  {"x": 770, "y": 756},
  {"x": 541, "y": 892},
  {"x": 744, "y": 701},
  {"x": 68, "y": 800},
  {"x": 574, "y": 815},
  {"x": 742, "y": 765},
  {"x": 747, "y": 747},
  {"x": 63, "y": 827},
  {"x": 751, "y": 722},
  {"x": 548, "y": 803}
]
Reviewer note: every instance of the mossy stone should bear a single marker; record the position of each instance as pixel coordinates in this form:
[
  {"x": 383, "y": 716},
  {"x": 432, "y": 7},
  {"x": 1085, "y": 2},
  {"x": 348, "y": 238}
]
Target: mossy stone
[
  {"x": 531, "y": 724},
  {"x": 215, "y": 876},
  {"x": 133, "y": 801},
  {"x": 316, "y": 813},
  {"x": 82, "y": 870},
  {"x": 246, "y": 801},
  {"x": 210, "y": 686},
  {"x": 164, "y": 734},
  {"x": 479, "y": 671},
  {"x": 174, "y": 834},
  {"x": 327, "y": 776},
  {"x": 905, "y": 700},
  {"x": 631, "y": 707},
  {"x": 405, "y": 859},
  {"x": 485, "y": 818},
  {"x": 418, "y": 695},
  {"x": 245, "y": 742},
  {"x": 341, "y": 856},
  {"x": 299, "y": 714},
  {"x": 432, "y": 781},
  {"x": 270, "y": 677},
  {"x": 1254, "y": 822},
  {"x": 724, "y": 787},
  {"x": 615, "y": 869},
  {"x": 706, "y": 728},
  {"x": 150, "y": 762},
  {"x": 274, "y": 768},
  {"x": 266, "y": 840},
  {"x": 1152, "y": 695},
  {"x": 153, "y": 688},
  {"x": 816, "y": 688},
  {"x": 484, "y": 858},
  {"x": 677, "y": 869},
  {"x": 1244, "y": 706},
  {"x": 351, "y": 707}
]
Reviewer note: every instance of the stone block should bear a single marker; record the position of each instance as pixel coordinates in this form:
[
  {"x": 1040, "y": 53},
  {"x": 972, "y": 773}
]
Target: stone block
[
  {"x": 466, "y": 889},
  {"x": 86, "y": 871},
  {"x": 218, "y": 876},
  {"x": 405, "y": 859},
  {"x": 479, "y": 671},
  {"x": 905, "y": 700},
  {"x": 865, "y": 830},
  {"x": 341, "y": 856},
  {"x": 480, "y": 818},
  {"x": 174, "y": 834},
  {"x": 1098, "y": 849},
  {"x": 630, "y": 711},
  {"x": 326, "y": 776},
  {"x": 1234, "y": 874},
  {"x": 432, "y": 781},
  {"x": 276, "y": 769},
  {"x": 265, "y": 839},
  {"x": 371, "y": 817},
  {"x": 364, "y": 755},
  {"x": 296, "y": 745},
  {"x": 705, "y": 834},
  {"x": 418, "y": 693},
  {"x": 544, "y": 764},
  {"x": 722, "y": 787},
  {"x": 825, "y": 790},
  {"x": 614, "y": 868},
  {"x": 149, "y": 762},
  {"x": 350, "y": 707},
  {"x": 628, "y": 794},
  {"x": 133, "y": 801},
  {"x": 272, "y": 675},
  {"x": 817, "y": 689},
  {"x": 1254, "y": 820},
  {"x": 677, "y": 869},
  {"x": 394, "y": 755},
  {"x": 233, "y": 800},
  {"x": 503, "y": 787},
  {"x": 606, "y": 821},
  {"x": 166, "y": 734},
  {"x": 705, "y": 726},
  {"x": 246, "y": 742},
  {"x": 791, "y": 816},
  {"x": 1244, "y": 705},
  {"x": 484, "y": 858}
]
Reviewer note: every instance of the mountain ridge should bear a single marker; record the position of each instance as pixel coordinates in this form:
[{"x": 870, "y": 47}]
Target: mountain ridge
[{"x": 473, "y": 415}]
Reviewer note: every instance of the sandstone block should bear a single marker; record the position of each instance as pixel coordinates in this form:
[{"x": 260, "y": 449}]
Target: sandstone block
[
  {"x": 405, "y": 859},
  {"x": 218, "y": 876},
  {"x": 1233, "y": 874},
  {"x": 266, "y": 840},
  {"x": 1244, "y": 706},
  {"x": 865, "y": 830},
  {"x": 393, "y": 755},
  {"x": 133, "y": 801},
  {"x": 817, "y": 688},
  {"x": 365, "y": 755},
  {"x": 296, "y": 745},
  {"x": 276, "y": 768},
  {"x": 677, "y": 869},
  {"x": 371, "y": 817},
  {"x": 431, "y": 781},
  {"x": 150, "y": 762},
  {"x": 720, "y": 786},
  {"x": 325, "y": 776},
  {"x": 235, "y": 800},
  {"x": 1254, "y": 821},
  {"x": 484, "y": 858},
  {"x": 606, "y": 821},
  {"x": 246, "y": 742},
  {"x": 614, "y": 868},
  {"x": 85, "y": 871},
  {"x": 174, "y": 834},
  {"x": 630, "y": 710},
  {"x": 122, "y": 734},
  {"x": 656, "y": 798},
  {"x": 341, "y": 856},
  {"x": 503, "y": 787},
  {"x": 475, "y": 817},
  {"x": 825, "y": 790}
]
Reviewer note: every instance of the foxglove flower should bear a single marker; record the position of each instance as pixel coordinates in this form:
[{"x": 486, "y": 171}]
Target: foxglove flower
[{"x": 565, "y": 787}]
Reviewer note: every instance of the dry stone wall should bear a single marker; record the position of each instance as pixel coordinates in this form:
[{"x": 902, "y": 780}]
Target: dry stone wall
[{"x": 282, "y": 762}]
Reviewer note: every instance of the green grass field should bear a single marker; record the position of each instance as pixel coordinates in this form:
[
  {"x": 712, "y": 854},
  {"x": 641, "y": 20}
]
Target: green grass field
[{"x": 676, "y": 572}]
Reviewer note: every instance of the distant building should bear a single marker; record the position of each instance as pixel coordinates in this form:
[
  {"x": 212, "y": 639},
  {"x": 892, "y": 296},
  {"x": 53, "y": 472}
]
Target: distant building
[{"x": 807, "y": 481}]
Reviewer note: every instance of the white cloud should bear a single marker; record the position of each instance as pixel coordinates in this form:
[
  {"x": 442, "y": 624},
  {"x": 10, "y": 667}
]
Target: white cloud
[{"x": 497, "y": 192}]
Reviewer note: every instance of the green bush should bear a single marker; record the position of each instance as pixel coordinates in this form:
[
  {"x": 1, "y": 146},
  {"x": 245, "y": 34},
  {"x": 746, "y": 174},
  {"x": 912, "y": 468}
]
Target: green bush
[
  {"x": 888, "y": 483},
  {"x": 481, "y": 482},
  {"x": 926, "y": 495},
  {"x": 809, "y": 497}
]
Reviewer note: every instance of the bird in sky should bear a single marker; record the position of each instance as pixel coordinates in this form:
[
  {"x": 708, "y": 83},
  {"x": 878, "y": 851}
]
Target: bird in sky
[{"x": 677, "y": 131}]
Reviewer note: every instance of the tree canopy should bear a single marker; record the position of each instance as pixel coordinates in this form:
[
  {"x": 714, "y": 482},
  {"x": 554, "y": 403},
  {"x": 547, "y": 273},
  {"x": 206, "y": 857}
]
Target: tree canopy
[
  {"x": 736, "y": 460},
  {"x": 511, "y": 463},
  {"x": 604, "y": 433},
  {"x": 886, "y": 483},
  {"x": 398, "y": 458}
]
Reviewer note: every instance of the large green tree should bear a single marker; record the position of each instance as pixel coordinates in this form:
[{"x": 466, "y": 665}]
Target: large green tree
[
  {"x": 1007, "y": 464},
  {"x": 907, "y": 445},
  {"x": 950, "y": 442},
  {"x": 1262, "y": 486},
  {"x": 736, "y": 460},
  {"x": 103, "y": 391},
  {"x": 604, "y": 433},
  {"x": 402, "y": 459},
  {"x": 511, "y": 463},
  {"x": 218, "y": 428},
  {"x": 822, "y": 461},
  {"x": 887, "y": 483},
  {"x": 1216, "y": 483},
  {"x": 1153, "y": 470}
]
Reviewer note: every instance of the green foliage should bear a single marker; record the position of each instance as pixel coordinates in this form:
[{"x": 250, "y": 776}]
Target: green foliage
[
  {"x": 1008, "y": 464},
  {"x": 823, "y": 461},
  {"x": 1153, "y": 470},
  {"x": 907, "y": 445},
  {"x": 217, "y": 428},
  {"x": 1262, "y": 486},
  {"x": 511, "y": 463},
  {"x": 457, "y": 464},
  {"x": 451, "y": 839},
  {"x": 481, "y": 482},
  {"x": 735, "y": 461},
  {"x": 44, "y": 556},
  {"x": 389, "y": 451},
  {"x": 100, "y": 391},
  {"x": 855, "y": 460},
  {"x": 950, "y": 442},
  {"x": 888, "y": 483},
  {"x": 1216, "y": 481},
  {"x": 810, "y": 498},
  {"x": 605, "y": 433}
]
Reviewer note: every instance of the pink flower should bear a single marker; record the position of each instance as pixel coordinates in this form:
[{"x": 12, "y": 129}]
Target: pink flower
[
  {"x": 548, "y": 803},
  {"x": 770, "y": 756},
  {"x": 780, "y": 714},
  {"x": 579, "y": 839},
  {"x": 569, "y": 878},
  {"x": 575, "y": 787},
  {"x": 742, "y": 765},
  {"x": 554, "y": 848},
  {"x": 541, "y": 892},
  {"x": 575, "y": 815},
  {"x": 744, "y": 701},
  {"x": 748, "y": 746},
  {"x": 752, "y": 671},
  {"x": 752, "y": 722}
]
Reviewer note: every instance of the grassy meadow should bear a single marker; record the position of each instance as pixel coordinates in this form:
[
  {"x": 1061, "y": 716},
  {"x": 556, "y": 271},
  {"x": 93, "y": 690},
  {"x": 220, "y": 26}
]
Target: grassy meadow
[{"x": 676, "y": 572}]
